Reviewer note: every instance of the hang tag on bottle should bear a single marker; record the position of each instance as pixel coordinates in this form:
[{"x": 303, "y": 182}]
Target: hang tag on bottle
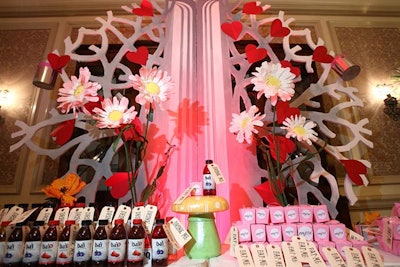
[
  {"x": 150, "y": 212},
  {"x": 179, "y": 235},
  {"x": 216, "y": 173},
  {"x": 107, "y": 213},
  {"x": 333, "y": 256},
  {"x": 243, "y": 256},
  {"x": 62, "y": 215},
  {"x": 3, "y": 213},
  {"x": 290, "y": 254},
  {"x": 184, "y": 195},
  {"x": 300, "y": 245},
  {"x": 88, "y": 213},
  {"x": 137, "y": 213},
  {"x": 123, "y": 212},
  {"x": 387, "y": 233},
  {"x": 234, "y": 240},
  {"x": 45, "y": 214},
  {"x": 13, "y": 213},
  {"x": 353, "y": 257},
  {"x": 22, "y": 217},
  {"x": 372, "y": 257},
  {"x": 316, "y": 259},
  {"x": 75, "y": 215},
  {"x": 275, "y": 255},
  {"x": 260, "y": 257}
]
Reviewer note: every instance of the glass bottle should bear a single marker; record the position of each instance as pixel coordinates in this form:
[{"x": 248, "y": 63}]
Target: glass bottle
[
  {"x": 83, "y": 245},
  {"x": 117, "y": 244},
  {"x": 159, "y": 244},
  {"x": 48, "y": 248},
  {"x": 100, "y": 245},
  {"x": 65, "y": 254},
  {"x": 14, "y": 248},
  {"x": 136, "y": 241},
  {"x": 3, "y": 239},
  {"x": 172, "y": 252},
  {"x": 32, "y": 245},
  {"x": 208, "y": 181}
]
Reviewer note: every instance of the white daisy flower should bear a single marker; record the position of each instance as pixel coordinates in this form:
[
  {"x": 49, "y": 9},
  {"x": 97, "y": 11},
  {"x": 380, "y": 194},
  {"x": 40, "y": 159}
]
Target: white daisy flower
[
  {"x": 297, "y": 127},
  {"x": 243, "y": 124}
]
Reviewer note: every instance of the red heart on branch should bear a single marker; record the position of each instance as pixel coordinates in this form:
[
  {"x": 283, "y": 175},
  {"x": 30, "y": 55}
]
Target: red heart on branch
[
  {"x": 321, "y": 55},
  {"x": 63, "y": 132},
  {"x": 58, "y": 62},
  {"x": 140, "y": 56},
  {"x": 277, "y": 30},
  {"x": 255, "y": 54},
  {"x": 232, "y": 29},
  {"x": 283, "y": 111},
  {"x": 119, "y": 183},
  {"x": 252, "y": 8},
  {"x": 145, "y": 9},
  {"x": 354, "y": 169},
  {"x": 267, "y": 194},
  {"x": 287, "y": 64}
]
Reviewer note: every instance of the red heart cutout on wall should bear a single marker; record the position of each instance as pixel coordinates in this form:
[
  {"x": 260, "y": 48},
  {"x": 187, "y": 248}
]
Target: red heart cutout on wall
[
  {"x": 255, "y": 54},
  {"x": 287, "y": 64},
  {"x": 58, "y": 62},
  {"x": 63, "y": 132},
  {"x": 232, "y": 29},
  {"x": 354, "y": 169},
  {"x": 252, "y": 8},
  {"x": 140, "y": 56},
  {"x": 145, "y": 9},
  {"x": 283, "y": 111},
  {"x": 277, "y": 30},
  {"x": 321, "y": 55}
]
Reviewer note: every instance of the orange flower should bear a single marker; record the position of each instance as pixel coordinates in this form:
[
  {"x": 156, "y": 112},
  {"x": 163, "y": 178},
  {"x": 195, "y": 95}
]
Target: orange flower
[{"x": 65, "y": 188}]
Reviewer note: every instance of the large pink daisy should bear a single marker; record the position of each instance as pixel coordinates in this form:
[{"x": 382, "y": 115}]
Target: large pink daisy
[{"x": 243, "y": 124}]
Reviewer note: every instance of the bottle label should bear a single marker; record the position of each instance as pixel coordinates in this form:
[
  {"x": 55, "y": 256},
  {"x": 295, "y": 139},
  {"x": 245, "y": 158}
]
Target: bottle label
[
  {"x": 64, "y": 254},
  {"x": 31, "y": 253},
  {"x": 116, "y": 250},
  {"x": 14, "y": 252},
  {"x": 147, "y": 257},
  {"x": 209, "y": 183},
  {"x": 83, "y": 250},
  {"x": 100, "y": 250},
  {"x": 135, "y": 250},
  {"x": 48, "y": 252},
  {"x": 159, "y": 248}
]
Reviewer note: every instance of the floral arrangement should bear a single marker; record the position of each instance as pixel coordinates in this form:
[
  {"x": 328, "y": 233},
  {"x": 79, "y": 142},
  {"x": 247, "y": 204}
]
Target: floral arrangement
[
  {"x": 65, "y": 189},
  {"x": 288, "y": 132}
]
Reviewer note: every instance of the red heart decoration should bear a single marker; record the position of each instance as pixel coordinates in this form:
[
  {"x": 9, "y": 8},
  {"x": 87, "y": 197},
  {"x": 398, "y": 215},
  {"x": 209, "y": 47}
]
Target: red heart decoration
[
  {"x": 255, "y": 54},
  {"x": 354, "y": 169},
  {"x": 58, "y": 62},
  {"x": 232, "y": 29},
  {"x": 63, "y": 132},
  {"x": 277, "y": 30},
  {"x": 119, "y": 184},
  {"x": 283, "y": 111},
  {"x": 140, "y": 56},
  {"x": 252, "y": 8},
  {"x": 320, "y": 54},
  {"x": 266, "y": 192},
  {"x": 294, "y": 70},
  {"x": 145, "y": 9}
]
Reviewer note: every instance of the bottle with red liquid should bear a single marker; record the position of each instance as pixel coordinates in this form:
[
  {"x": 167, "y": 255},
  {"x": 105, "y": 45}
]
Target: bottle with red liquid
[
  {"x": 48, "y": 247},
  {"x": 3, "y": 239},
  {"x": 14, "y": 248},
  {"x": 159, "y": 244},
  {"x": 172, "y": 252},
  {"x": 32, "y": 245},
  {"x": 65, "y": 254},
  {"x": 209, "y": 188},
  {"x": 117, "y": 244},
  {"x": 83, "y": 245},
  {"x": 136, "y": 242},
  {"x": 100, "y": 244}
]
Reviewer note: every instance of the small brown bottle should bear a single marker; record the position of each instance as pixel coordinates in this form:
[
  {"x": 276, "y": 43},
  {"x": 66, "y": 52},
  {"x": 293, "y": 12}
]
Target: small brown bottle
[
  {"x": 48, "y": 248},
  {"x": 14, "y": 249},
  {"x": 32, "y": 245},
  {"x": 209, "y": 188},
  {"x": 100, "y": 245},
  {"x": 65, "y": 253},
  {"x": 136, "y": 240},
  {"x": 3, "y": 239},
  {"x": 83, "y": 245},
  {"x": 117, "y": 244},
  {"x": 159, "y": 244}
]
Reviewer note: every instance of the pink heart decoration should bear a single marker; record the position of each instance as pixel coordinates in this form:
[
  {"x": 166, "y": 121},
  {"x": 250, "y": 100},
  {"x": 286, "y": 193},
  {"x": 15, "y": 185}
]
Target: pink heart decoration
[
  {"x": 232, "y": 29},
  {"x": 58, "y": 62},
  {"x": 255, "y": 54},
  {"x": 140, "y": 56},
  {"x": 287, "y": 64},
  {"x": 320, "y": 54},
  {"x": 252, "y": 8},
  {"x": 354, "y": 169},
  {"x": 145, "y": 9},
  {"x": 277, "y": 30}
]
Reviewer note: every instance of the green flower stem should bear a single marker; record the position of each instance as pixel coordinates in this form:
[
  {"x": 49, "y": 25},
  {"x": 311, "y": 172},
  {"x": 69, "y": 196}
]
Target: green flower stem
[{"x": 131, "y": 177}]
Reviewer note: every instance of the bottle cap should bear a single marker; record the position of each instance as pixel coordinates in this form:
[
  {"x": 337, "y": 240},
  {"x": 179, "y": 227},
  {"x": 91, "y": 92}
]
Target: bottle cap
[
  {"x": 79, "y": 205},
  {"x": 119, "y": 221},
  {"x": 103, "y": 222},
  {"x": 5, "y": 223},
  {"x": 69, "y": 222},
  {"x": 54, "y": 222},
  {"x": 169, "y": 218},
  {"x": 209, "y": 161},
  {"x": 139, "y": 204},
  {"x": 86, "y": 222},
  {"x": 38, "y": 223},
  {"x": 137, "y": 221},
  {"x": 160, "y": 221}
]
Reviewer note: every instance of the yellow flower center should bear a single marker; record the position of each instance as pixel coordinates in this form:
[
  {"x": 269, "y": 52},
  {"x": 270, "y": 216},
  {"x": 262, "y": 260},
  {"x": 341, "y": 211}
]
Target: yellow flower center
[
  {"x": 152, "y": 88},
  {"x": 115, "y": 115},
  {"x": 79, "y": 89},
  {"x": 273, "y": 81},
  {"x": 300, "y": 131},
  {"x": 244, "y": 123}
]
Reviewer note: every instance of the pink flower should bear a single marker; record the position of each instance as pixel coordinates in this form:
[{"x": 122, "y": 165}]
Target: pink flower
[{"x": 243, "y": 124}]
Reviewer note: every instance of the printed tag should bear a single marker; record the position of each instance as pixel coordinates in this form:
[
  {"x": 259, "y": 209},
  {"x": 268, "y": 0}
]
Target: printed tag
[
  {"x": 88, "y": 213},
  {"x": 216, "y": 173},
  {"x": 137, "y": 213},
  {"x": 3, "y": 213},
  {"x": 300, "y": 245},
  {"x": 275, "y": 256},
  {"x": 184, "y": 195},
  {"x": 290, "y": 254},
  {"x": 75, "y": 215},
  {"x": 22, "y": 217},
  {"x": 179, "y": 233},
  {"x": 387, "y": 233},
  {"x": 13, "y": 213},
  {"x": 244, "y": 257},
  {"x": 170, "y": 237},
  {"x": 107, "y": 213},
  {"x": 62, "y": 215},
  {"x": 123, "y": 212},
  {"x": 351, "y": 235},
  {"x": 45, "y": 215},
  {"x": 353, "y": 257},
  {"x": 333, "y": 256},
  {"x": 315, "y": 258},
  {"x": 150, "y": 212},
  {"x": 372, "y": 257},
  {"x": 234, "y": 240},
  {"x": 259, "y": 253}
]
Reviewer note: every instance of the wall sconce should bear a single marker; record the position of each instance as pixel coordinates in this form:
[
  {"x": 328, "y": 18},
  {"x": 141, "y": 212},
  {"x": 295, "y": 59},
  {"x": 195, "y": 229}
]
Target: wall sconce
[
  {"x": 3, "y": 99},
  {"x": 45, "y": 76}
]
